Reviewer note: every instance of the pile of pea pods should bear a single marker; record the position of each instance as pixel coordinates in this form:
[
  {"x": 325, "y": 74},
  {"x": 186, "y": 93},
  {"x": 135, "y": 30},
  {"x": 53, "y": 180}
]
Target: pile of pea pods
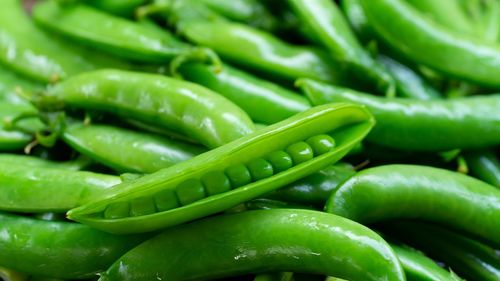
[{"x": 254, "y": 140}]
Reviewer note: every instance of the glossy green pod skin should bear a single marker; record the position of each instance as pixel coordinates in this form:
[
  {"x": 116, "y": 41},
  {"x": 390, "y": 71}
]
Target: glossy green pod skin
[
  {"x": 11, "y": 84},
  {"x": 258, "y": 50},
  {"x": 327, "y": 23},
  {"x": 468, "y": 258},
  {"x": 48, "y": 189},
  {"x": 157, "y": 100},
  {"x": 125, "y": 150},
  {"x": 224, "y": 177},
  {"x": 447, "y": 13},
  {"x": 108, "y": 33},
  {"x": 251, "y": 12},
  {"x": 10, "y": 138},
  {"x": 123, "y": 8},
  {"x": 33, "y": 53},
  {"x": 418, "y": 267},
  {"x": 59, "y": 249},
  {"x": 484, "y": 165},
  {"x": 261, "y": 241},
  {"x": 420, "y": 192},
  {"x": 316, "y": 188},
  {"x": 422, "y": 125},
  {"x": 356, "y": 17},
  {"x": 409, "y": 83},
  {"x": 31, "y": 161},
  {"x": 456, "y": 54},
  {"x": 263, "y": 101}
]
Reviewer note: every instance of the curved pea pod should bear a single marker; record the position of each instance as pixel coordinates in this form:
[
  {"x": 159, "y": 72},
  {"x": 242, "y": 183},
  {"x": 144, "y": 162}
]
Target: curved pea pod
[
  {"x": 331, "y": 29},
  {"x": 261, "y": 241},
  {"x": 469, "y": 258},
  {"x": 484, "y": 165},
  {"x": 126, "y": 150},
  {"x": 418, "y": 267},
  {"x": 31, "y": 161},
  {"x": 18, "y": 137},
  {"x": 157, "y": 100},
  {"x": 258, "y": 50},
  {"x": 316, "y": 188},
  {"x": 30, "y": 51},
  {"x": 420, "y": 192},
  {"x": 59, "y": 249},
  {"x": 224, "y": 177},
  {"x": 456, "y": 54},
  {"x": 264, "y": 101},
  {"x": 423, "y": 125},
  {"x": 111, "y": 34},
  {"x": 44, "y": 189}
]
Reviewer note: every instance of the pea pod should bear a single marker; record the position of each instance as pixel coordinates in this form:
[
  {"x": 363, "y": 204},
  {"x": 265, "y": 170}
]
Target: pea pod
[
  {"x": 484, "y": 165},
  {"x": 264, "y": 101},
  {"x": 469, "y": 258},
  {"x": 246, "y": 168},
  {"x": 418, "y": 267},
  {"x": 123, "y": 8},
  {"x": 7, "y": 274},
  {"x": 31, "y": 161},
  {"x": 29, "y": 51},
  {"x": 18, "y": 137},
  {"x": 327, "y": 23},
  {"x": 109, "y": 33},
  {"x": 127, "y": 151},
  {"x": 164, "y": 102},
  {"x": 59, "y": 249},
  {"x": 458, "y": 55},
  {"x": 420, "y": 192},
  {"x": 316, "y": 188},
  {"x": 261, "y": 241},
  {"x": 260, "y": 51},
  {"x": 424, "y": 125},
  {"x": 11, "y": 84},
  {"x": 44, "y": 189}
]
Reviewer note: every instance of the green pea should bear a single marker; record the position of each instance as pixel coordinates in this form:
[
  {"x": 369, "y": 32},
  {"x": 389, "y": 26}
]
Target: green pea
[
  {"x": 300, "y": 152},
  {"x": 190, "y": 191},
  {"x": 117, "y": 210},
  {"x": 280, "y": 160},
  {"x": 166, "y": 200},
  {"x": 321, "y": 144},
  {"x": 238, "y": 175},
  {"x": 142, "y": 206},
  {"x": 260, "y": 169},
  {"x": 216, "y": 182}
]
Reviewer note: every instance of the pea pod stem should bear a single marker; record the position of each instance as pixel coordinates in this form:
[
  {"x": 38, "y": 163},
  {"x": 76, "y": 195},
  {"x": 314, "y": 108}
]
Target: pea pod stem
[
  {"x": 419, "y": 192},
  {"x": 420, "y": 125},
  {"x": 234, "y": 173},
  {"x": 180, "y": 106},
  {"x": 279, "y": 240}
]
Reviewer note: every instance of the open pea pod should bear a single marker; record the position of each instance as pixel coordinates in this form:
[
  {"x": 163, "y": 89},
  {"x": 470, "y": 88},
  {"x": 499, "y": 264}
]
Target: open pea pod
[{"x": 231, "y": 174}]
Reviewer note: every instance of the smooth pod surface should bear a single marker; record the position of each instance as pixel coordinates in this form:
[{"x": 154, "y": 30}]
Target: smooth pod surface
[
  {"x": 157, "y": 100},
  {"x": 231, "y": 174},
  {"x": 420, "y": 192},
  {"x": 59, "y": 249},
  {"x": 18, "y": 137},
  {"x": 261, "y": 51},
  {"x": 48, "y": 189},
  {"x": 30, "y": 51},
  {"x": 426, "y": 42},
  {"x": 125, "y": 150},
  {"x": 424, "y": 125},
  {"x": 261, "y": 241}
]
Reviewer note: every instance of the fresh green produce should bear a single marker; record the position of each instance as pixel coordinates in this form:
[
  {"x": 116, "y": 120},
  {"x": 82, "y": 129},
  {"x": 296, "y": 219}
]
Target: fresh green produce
[{"x": 231, "y": 174}]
